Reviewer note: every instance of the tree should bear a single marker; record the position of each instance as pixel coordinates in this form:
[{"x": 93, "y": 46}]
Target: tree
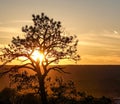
[
  {"x": 48, "y": 41},
  {"x": 65, "y": 92}
]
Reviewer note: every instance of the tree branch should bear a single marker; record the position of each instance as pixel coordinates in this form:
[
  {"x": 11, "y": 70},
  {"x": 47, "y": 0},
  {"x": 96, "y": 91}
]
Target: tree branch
[
  {"x": 56, "y": 68},
  {"x": 17, "y": 67}
]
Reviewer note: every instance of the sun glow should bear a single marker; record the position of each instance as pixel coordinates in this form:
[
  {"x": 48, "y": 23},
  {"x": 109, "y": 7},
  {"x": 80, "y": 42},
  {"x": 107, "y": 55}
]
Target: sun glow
[{"x": 36, "y": 55}]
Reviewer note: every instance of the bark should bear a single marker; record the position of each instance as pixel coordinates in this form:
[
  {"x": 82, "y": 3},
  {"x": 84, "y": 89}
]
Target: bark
[{"x": 42, "y": 93}]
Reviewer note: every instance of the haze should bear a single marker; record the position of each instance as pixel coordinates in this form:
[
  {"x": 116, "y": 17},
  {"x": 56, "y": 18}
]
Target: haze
[{"x": 95, "y": 22}]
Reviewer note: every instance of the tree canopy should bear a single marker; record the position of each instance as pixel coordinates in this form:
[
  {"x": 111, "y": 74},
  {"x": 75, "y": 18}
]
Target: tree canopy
[{"x": 43, "y": 43}]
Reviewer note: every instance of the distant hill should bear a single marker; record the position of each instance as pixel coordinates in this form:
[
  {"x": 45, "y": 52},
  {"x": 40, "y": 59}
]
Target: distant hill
[{"x": 97, "y": 80}]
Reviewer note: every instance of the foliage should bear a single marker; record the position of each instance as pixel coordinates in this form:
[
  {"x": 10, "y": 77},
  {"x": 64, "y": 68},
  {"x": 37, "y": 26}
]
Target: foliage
[
  {"x": 7, "y": 96},
  {"x": 47, "y": 37},
  {"x": 24, "y": 82},
  {"x": 66, "y": 92},
  {"x": 61, "y": 93}
]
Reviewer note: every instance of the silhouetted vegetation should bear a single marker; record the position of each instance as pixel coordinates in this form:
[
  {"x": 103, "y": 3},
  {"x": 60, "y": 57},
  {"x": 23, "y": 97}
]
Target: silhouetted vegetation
[
  {"x": 60, "y": 92},
  {"x": 48, "y": 38},
  {"x": 7, "y": 96}
]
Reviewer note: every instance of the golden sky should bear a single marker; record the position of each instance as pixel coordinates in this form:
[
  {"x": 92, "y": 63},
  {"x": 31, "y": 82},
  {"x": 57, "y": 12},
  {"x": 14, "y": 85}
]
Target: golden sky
[{"x": 95, "y": 22}]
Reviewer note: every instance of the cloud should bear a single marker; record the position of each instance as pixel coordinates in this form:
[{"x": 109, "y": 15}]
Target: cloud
[
  {"x": 87, "y": 43},
  {"x": 105, "y": 40},
  {"x": 7, "y": 27},
  {"x": 116, "y": 32},
  {"x": 93, "y": 59},
  {"x": 10, "y": 30},
  {"x": 111, "y": 35},
  {"x": 21, "y": 21},
  {"x": 3, "y": 46}
]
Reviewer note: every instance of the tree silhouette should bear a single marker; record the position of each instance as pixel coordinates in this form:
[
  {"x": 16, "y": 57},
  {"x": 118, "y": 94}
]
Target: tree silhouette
[
  {"x": 48, "y": 39},
  {"x": 65, "y": 92}
]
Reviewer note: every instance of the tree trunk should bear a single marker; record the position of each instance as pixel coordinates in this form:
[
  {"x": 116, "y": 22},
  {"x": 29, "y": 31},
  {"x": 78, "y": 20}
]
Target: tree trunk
[{"x": 42, "y": 93}]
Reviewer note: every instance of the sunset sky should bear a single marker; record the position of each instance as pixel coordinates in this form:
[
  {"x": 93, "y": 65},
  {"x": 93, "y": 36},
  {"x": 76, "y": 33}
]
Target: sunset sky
[{"x": 95, "y": 22}]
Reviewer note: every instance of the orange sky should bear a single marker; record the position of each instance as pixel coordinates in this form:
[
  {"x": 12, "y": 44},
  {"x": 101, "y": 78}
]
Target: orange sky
[{"x": 95, "y": 22}]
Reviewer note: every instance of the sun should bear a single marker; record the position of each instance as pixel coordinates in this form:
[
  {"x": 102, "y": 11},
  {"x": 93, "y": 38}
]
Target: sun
[{"x": 36, "y": 55}]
